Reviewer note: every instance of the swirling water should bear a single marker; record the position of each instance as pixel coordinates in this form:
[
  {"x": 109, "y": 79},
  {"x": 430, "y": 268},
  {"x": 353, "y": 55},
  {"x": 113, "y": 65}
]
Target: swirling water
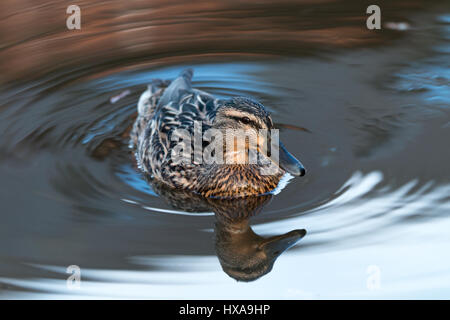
[{"x": 375, "y": 201}]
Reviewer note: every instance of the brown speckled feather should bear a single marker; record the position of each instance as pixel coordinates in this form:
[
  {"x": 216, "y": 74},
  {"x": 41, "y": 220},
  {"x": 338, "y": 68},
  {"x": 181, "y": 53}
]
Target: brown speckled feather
[{"x": 162, "y": 109}]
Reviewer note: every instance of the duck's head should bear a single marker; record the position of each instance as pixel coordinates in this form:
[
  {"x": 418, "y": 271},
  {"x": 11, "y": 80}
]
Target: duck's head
[
  {"x": 245, "y": 114},
  {"x": 246, "y": 256}
]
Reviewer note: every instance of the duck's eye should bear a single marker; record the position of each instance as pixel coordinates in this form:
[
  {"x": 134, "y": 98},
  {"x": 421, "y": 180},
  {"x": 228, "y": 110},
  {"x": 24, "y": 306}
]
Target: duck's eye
[{"x": 245, "y": 120}]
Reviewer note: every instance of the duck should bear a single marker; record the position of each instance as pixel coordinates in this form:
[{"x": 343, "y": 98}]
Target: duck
[{"x": 167, "y": 108}]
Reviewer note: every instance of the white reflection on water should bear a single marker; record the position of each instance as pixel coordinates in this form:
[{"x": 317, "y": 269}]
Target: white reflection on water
[
  {"x": 355, "y": 214},
  {"x": 359, "y": 231}
]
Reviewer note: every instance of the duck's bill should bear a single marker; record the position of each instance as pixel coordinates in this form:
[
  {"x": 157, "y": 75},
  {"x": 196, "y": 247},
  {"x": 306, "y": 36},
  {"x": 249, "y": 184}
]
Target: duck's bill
[
  {"x": 274, "y": 246},
  {"x": 289, "y": 163}
]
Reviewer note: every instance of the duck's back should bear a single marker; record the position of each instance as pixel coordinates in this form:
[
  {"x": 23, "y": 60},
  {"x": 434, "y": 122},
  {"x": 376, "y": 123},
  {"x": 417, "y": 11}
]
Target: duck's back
[{"x": 163, "y": 109}]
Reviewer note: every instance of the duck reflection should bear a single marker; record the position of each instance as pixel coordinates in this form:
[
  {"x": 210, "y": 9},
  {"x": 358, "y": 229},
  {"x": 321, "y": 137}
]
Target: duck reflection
[{"x": 243, "y": 254}]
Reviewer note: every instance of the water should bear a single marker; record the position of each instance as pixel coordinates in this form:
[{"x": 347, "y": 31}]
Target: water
[{"x": 375, "y": 201}]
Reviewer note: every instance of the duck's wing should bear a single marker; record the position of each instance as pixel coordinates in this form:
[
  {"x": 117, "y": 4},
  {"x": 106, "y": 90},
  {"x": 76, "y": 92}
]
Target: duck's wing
[
  {"x": 193, "y": 114},
  {"x": 177, "y": 89},
  {"x": 146, "y": 108},
  {"x": 170, "y": 111},
  {"x": 180, "y": 106},
  {"x": 176, "y": 98}
]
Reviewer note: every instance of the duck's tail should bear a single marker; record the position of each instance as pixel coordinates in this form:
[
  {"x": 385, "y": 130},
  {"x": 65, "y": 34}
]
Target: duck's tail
[
  {"x": 177, "y": 88},
  {"x": 187, "y": 74}
]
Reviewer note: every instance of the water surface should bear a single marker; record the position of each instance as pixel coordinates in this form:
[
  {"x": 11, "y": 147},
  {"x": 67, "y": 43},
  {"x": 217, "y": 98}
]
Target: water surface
[{"x": 375, "y": 105}]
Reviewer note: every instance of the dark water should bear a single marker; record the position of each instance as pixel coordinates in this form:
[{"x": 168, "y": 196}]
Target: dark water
[{"x": 375, "y": 200}]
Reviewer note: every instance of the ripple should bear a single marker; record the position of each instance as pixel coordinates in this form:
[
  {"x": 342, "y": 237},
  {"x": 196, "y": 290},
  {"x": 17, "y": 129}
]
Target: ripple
[
  {"x": 376, "y": 192},
  {"x": 364, "y": 206}
]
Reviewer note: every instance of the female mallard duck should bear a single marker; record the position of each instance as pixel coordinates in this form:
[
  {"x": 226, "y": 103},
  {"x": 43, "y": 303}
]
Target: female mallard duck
[{"x": 165, "y": 108}]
